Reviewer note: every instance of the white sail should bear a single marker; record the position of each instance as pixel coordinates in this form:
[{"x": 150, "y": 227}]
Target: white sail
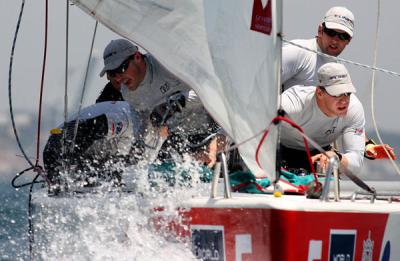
[{"x": 226, "y": 50}]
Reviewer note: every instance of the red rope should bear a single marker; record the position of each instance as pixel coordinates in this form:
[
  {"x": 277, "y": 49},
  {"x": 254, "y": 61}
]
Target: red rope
[
  {"x": 42, "y": 84},
  {"x": 240, "y": 186},
  {"x": 293, "y": 124}
]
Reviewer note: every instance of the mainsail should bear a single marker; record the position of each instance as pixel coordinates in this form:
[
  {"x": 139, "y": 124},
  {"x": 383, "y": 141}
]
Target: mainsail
[{"x": 228, "y": 51}]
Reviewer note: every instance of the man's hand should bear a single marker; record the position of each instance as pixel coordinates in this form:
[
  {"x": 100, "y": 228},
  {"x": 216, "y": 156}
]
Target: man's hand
[
  {"x": 163, "y": 131},
  {"x": 209, "y": 156},
  {"x": 174, "y": 104},
  {"x": 373, "y": 151},
  {"x": 323, "y": 160}
]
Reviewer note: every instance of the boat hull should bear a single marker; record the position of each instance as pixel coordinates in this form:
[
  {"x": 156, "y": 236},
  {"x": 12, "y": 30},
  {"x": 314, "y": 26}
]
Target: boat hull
[
  {"x": 260, "y": 231},
  {"x": 244, "y": 227}
]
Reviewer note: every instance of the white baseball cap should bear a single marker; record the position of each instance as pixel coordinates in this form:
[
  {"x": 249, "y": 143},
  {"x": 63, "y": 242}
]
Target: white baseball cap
[
  {"x": 335, "y": 78},
  {"x": 340, "y": 18}
]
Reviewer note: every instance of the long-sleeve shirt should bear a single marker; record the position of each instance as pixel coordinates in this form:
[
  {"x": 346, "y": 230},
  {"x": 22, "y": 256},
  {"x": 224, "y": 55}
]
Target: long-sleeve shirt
[{"x": 300, "y": 104}]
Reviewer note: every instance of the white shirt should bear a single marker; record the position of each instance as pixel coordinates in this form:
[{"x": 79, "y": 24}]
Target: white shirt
[
  {"x": 124, "y": 127},
  {"x": 157, "y": 86},
  {"x": 300, "y": 104},
  {"x": 299, "y": 66}
]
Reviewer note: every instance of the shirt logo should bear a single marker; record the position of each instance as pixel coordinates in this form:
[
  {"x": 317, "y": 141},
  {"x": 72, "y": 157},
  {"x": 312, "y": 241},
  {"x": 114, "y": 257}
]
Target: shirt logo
[
  {"x": 165, "y": 87},
  {"x": 119, "y": 127},
  {"x": 116, "y": 128},
  {"x": 330, "y": 131},
  {"x": 359, "y": 131}
]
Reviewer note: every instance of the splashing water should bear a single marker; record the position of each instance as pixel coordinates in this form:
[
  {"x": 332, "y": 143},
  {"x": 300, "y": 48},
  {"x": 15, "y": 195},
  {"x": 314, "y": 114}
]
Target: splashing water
[{"x": 119, "y": 224}]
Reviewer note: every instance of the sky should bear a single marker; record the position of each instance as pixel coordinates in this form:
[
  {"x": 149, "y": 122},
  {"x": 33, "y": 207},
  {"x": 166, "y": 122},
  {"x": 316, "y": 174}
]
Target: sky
[{"x": 300, "y": 20}]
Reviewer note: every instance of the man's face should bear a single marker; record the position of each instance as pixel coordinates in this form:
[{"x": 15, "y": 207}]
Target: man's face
[
  {"x": 332, "y": 41},
  {"x": 133, "y": 73},
  {"x": 333, "y": 106}
]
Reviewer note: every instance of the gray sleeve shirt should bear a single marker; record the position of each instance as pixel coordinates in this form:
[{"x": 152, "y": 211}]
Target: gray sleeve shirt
[{"x": 157, "y": 85}]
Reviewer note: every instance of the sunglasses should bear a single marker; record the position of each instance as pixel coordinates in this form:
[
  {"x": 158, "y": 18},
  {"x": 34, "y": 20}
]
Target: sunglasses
[
  {"x": 346, "y": 94},
  {"x": 333, "y": 33},
  {"x": 122, "y": 68}
]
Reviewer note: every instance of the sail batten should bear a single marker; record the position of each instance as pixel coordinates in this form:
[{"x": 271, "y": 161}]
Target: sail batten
[{"x": 226, "y": 50}]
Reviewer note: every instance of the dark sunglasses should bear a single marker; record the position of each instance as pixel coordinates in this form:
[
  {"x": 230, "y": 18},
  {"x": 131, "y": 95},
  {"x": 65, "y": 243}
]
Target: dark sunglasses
[
  {"x": 122, "y": 68},
  {"x": 333, "y": 33},
  {"x": 346, "y": 94}
]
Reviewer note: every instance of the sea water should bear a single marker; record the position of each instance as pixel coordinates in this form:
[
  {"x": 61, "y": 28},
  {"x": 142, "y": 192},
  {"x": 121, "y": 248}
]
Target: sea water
[
  {"x": 108, "y": 224},
  {"x": 13, "y": 222}
]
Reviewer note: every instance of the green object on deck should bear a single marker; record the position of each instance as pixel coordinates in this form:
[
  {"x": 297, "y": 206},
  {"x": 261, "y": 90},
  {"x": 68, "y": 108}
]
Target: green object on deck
[
  {"x": 174, "y": 174},
  {"x": 295, "y": 179},
  {"x": 246, "y": 182}
]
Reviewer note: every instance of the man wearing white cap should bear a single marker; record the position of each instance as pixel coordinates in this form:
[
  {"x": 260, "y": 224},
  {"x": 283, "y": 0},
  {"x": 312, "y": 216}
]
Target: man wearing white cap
[
  {"x": 300, "y": 66},
  {"x": 149, "y": 88},
  {"x": 326, "y": 112}
]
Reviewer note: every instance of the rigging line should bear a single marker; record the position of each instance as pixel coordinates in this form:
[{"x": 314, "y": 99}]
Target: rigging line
[
  {"x": 66, "y": 62},
  {"x": 9, "y": 84},
  {"x": 36, "y": 169},
  {"x": 64, "y": 150},
  {"x": 84, "y": 86},
  {"x": 343, "y": 60},
  {"x": 42, "y": 83},
  {"x": 30, "y": 217},
  {"x": 373, "y": 91}
]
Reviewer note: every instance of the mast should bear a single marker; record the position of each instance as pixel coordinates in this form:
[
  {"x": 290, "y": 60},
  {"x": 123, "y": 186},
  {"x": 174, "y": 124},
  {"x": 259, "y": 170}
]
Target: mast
[{"x": 278, "y": 24}]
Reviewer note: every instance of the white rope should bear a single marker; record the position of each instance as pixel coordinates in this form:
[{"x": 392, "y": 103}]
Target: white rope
[
  {"x": 343, "y": 60},
  {"x": 373, "y": 90}
]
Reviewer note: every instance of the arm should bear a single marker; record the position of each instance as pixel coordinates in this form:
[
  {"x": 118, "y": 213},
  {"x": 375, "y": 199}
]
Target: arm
[
  {"x": 354, "y": 138},
  {"x": 352, "y": 141},
  {"x": 352, "y": 159},
  {"x": 290, "y": 62}
]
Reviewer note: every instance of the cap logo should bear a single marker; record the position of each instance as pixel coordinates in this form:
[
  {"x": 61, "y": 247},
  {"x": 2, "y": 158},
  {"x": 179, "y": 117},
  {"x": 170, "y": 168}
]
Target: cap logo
[
  {"x": 336, "y": 77},
  {"x": 345, "y": 18},
  {"x": 110, "y": 54}
]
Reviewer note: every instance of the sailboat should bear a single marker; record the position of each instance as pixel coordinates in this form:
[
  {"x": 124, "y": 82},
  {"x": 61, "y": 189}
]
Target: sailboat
[{"x": 228, "y": 51}]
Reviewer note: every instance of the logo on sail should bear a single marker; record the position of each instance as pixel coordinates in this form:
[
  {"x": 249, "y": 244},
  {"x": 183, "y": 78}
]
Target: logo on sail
[{"x": 261, "y": 20}]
